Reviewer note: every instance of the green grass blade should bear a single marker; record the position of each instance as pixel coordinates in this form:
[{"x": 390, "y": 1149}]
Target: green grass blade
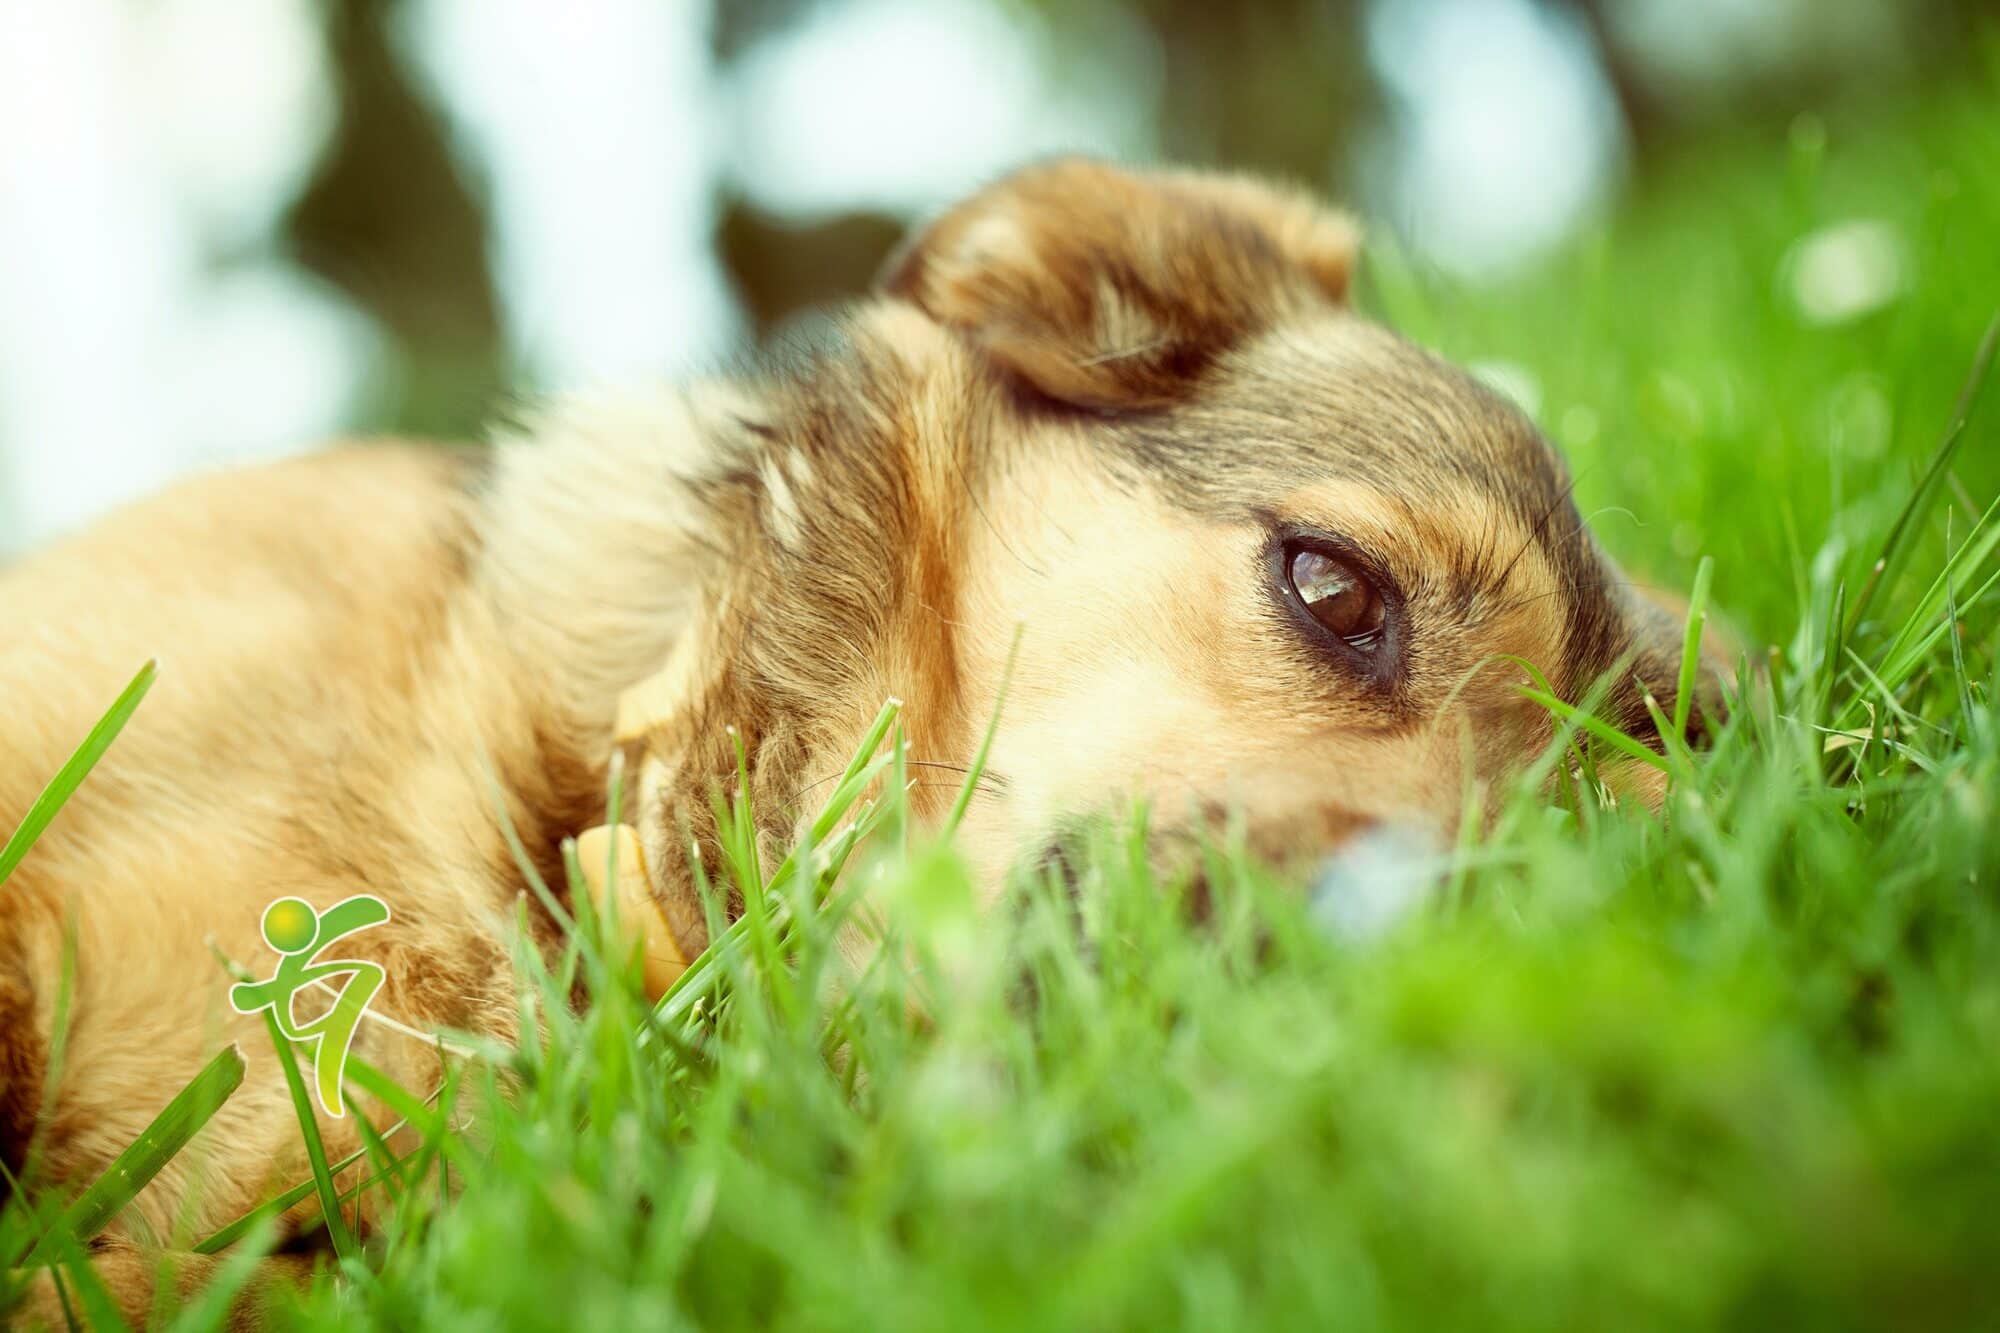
[
  {"x": 523, "y": 862},
  {"x": 704, "y": 972},
  {"x": 62, "y": 1300},
  {"x": 156, "y": 1145},
  {"x": 1832, "y": 646},
  {"x": 1961, "y": 567},
  {"x": 978, "y": 767},
  {"x": 1967, "y": 710},
  {"x": 1566, "y": 743},
  {"x": 1928, "y": 486},
  {"x": 227, "y": 1235},
  {"x": 408, "y": 1108},
  {"x": 329, "y": 1199},
  {"x": 57, "y": 1058},
  {"x": 1899, "y": 669},
  {"x": 222, "y": 1238},
  {"x": 376, "y": 1146},
  {"x": 100, "y": 1312},
  {"x": 1596, "y": 726},
  {"x": 1697, "y": 621},
  {"x": 71, "y": 775},
  {"x": 1681, "y": 757},
  {"x": 219, "y": 1292},
  {"x": 391, "y": 1173}
]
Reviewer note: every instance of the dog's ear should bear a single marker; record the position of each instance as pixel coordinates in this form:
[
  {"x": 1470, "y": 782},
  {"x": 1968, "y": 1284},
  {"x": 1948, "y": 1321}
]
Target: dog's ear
[{"x": 1113, "y": 289}]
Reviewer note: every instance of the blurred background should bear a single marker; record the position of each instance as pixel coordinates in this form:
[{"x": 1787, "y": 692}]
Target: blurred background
[{"x": 233, "y": 228}]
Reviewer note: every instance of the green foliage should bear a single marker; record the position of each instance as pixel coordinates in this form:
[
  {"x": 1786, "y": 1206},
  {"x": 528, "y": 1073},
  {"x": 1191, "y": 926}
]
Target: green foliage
[{"x": 1726, "y": 1065}]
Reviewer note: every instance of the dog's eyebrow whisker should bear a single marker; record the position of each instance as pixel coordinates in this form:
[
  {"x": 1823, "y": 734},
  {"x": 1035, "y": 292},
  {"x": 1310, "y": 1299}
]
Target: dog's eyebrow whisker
[
  {"x": 1574, "y": 586},
  {"x": 1488, "y": 546},
  {"x": 1620, "y": 510},
  {"x": 946, "y": 764},
  {"x": 1125, "y": 353},
  {"x": 1540, "y": 524}
]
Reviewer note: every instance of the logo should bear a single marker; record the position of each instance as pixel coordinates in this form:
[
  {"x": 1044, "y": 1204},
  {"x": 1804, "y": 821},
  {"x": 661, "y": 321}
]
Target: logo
[{"x": 300, "y": 935}]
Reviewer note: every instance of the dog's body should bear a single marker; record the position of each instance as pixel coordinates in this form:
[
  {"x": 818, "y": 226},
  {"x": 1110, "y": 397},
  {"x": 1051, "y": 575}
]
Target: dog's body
[{"x": 1259, "y": 550}]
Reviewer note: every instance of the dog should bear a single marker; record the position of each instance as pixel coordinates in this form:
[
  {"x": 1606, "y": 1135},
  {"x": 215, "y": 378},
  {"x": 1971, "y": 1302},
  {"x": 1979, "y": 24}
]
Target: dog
[{"x": 1268, "y": 561}]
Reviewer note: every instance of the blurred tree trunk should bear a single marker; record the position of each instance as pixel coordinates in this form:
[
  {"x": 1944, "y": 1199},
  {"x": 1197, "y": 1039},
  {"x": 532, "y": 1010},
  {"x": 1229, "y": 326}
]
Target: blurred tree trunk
[
  {"x": 388, "y": 218},
  {"x": 1643, "y": 108},
  {"x": 1279, "y": 87}
]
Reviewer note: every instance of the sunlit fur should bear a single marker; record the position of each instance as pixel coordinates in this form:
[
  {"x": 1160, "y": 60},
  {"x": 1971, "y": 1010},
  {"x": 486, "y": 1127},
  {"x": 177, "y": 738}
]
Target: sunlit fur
[{"x": 1080, "y": 405}]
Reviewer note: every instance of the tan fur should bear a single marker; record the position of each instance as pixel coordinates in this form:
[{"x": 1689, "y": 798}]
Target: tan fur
[{"x": 1082, "y": 406}]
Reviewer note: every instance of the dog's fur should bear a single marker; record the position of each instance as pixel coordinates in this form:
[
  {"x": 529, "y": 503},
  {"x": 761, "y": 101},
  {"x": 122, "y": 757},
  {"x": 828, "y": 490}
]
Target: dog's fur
[{"x": 1082, "y": 403}]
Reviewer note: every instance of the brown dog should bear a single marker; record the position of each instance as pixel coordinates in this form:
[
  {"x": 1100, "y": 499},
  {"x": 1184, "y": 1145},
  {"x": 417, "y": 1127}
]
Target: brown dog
[{"x": 1266, "y": 556}]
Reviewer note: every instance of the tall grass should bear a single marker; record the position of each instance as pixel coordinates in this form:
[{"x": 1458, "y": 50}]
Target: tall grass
[{"x": 1732, "y": 1063}]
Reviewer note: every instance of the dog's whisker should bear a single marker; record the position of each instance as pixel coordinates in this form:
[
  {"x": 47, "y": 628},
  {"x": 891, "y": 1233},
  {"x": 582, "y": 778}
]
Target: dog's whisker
[
  {"x": 1572, "y": 586},
  {"x": 1620, "y": 510},
  {"x": 1535, "y": 533},
  {"x": 1125, "y": 353},
  {"x": 990, "y": 782},
  {"x": 972, "y": 494}
]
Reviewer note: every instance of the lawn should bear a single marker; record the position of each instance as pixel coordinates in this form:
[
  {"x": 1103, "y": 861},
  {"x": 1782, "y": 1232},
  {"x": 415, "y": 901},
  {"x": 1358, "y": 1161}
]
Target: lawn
[{"x": 1733, "y": 1064}]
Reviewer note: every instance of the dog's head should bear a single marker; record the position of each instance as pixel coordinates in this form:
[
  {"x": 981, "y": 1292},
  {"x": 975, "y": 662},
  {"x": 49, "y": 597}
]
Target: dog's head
[{"x": 1263, "y": 556}]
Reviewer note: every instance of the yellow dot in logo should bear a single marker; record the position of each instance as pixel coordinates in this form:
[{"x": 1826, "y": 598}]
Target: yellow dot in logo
[{"x": 290, "y": 924}]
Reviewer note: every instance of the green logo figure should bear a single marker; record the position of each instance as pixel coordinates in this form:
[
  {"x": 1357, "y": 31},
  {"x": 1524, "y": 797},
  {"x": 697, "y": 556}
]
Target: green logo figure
[{"x": 301, "y": 935}]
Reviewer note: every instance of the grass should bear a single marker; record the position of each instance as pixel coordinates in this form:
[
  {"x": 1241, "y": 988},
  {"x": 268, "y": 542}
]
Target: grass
[{"x": 1732, "y": 1065}]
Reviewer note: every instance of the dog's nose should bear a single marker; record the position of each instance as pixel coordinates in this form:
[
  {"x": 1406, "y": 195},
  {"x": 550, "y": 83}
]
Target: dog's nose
[{"x": 1378, "y": 878}]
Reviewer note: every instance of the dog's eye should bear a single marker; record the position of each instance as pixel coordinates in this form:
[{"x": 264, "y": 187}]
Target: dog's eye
[{"x": 1336, "y": 594}]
